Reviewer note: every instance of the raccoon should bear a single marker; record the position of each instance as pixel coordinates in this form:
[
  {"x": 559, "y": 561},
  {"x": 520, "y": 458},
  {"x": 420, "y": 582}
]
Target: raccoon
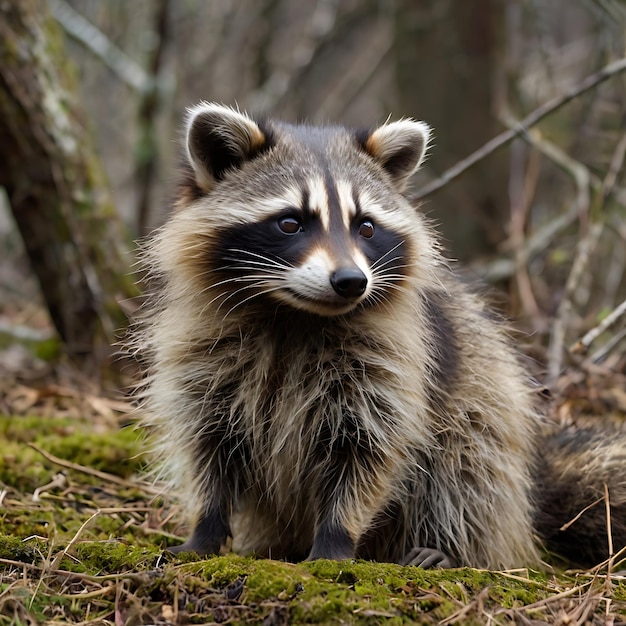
[{"x": 321, "y": 384}]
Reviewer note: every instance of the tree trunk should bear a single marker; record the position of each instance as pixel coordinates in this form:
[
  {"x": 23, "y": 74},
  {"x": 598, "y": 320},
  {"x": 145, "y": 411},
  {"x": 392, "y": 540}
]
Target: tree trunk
[
  {"x": 55, "y": 184},
  {"x": 446, "y": 54}
]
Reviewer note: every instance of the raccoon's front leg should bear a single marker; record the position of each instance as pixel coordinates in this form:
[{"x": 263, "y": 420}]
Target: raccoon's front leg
[
  {"x": 209, "y": 533},
  {"x": 332, "y": 541},
  {"x": 217, "y": 476},
  {"x": 355, "y": 483},
  {"x": 342, "y": 522}
]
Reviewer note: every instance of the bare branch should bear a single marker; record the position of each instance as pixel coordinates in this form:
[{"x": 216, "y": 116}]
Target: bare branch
[
  {"x": 364, "y": 67},
  {"x": 530, "y": 120},
  {"x": 617, "y": 160},
  {"x": 557, "y": 336},
  {"x": 579, "y": 172},
  {"x": 320, "y": 27},
  {"x": 505, "y": 268},
  {"x": 582, "y": 345},
  {"x": 101, "y": 46}
]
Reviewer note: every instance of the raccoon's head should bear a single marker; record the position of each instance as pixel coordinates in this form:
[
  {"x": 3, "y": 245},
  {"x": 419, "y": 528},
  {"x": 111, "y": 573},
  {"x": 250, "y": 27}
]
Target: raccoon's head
[{"x": 309, "y": 217}]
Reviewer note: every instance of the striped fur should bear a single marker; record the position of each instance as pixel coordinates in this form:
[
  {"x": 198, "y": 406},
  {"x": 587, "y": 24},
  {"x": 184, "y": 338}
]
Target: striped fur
[{"x": 332, "y": 391}]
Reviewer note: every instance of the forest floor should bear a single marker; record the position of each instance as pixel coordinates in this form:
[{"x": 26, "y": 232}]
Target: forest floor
[{"x": 82, "y": 536}]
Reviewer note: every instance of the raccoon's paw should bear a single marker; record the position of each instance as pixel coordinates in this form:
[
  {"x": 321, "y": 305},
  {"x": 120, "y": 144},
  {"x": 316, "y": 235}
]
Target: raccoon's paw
[
  {"x": 427, "y": 558},
  {"x": 209, "y": 534},
  {"x": 199, "y": 547},
  {"x": 331, "y": 542}
]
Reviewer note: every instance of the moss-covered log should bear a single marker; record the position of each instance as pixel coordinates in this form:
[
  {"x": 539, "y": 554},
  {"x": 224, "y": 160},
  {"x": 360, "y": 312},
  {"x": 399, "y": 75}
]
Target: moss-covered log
[{"x": 55, "y": 184}]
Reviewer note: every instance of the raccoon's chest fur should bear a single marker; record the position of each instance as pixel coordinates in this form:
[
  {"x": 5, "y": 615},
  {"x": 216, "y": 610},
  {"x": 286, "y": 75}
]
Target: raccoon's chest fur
[{"x": 300, "y": 394}]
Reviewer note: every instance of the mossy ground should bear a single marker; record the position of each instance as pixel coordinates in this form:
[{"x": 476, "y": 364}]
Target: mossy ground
[{"x": 81, "y": 547}]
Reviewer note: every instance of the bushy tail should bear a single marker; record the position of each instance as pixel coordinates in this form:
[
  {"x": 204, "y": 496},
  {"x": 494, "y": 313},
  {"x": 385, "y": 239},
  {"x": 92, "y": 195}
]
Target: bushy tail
[{"x": 575, "y": 470}]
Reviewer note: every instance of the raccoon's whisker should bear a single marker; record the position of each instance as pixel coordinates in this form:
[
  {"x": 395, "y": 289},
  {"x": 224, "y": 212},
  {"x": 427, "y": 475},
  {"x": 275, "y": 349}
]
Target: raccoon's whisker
[
  {"x": 241, "y": 279},
  {"x": 378, "y": 261},
  {"x": 380, "y": 268},
  {"x": 271, "y": 271},
  {"x": 382, "y": 282},
  {"x": 266, "y": 275},
  {"x": 254, "y": 295},
  {"x": 278, "y": 263},
  {"x": 389, "y": 278},
  {"x": 252, "y": 264},
  {"x": 227, "y": 296},
  {"x": 258, "y": 280},
  {"x": 276, "y": 271},
  {"x": 382, "y": 292},
  {"x": 377, "y": 297}
]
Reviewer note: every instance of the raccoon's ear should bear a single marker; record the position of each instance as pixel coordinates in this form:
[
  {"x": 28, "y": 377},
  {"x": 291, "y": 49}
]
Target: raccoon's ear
[
  {"x": 399, "y": 147},
  {"x": 218, "y": 138}
]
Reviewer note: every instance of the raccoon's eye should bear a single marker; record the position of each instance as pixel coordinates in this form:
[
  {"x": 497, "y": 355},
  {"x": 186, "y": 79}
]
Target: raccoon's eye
[
  {"x": 366, "y": 229},
  {"x": 289, "y": 225}
]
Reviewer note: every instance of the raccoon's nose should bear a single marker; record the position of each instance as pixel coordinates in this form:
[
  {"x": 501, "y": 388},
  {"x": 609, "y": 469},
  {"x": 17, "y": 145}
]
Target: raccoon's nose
[{"x": 349, "y": 282}]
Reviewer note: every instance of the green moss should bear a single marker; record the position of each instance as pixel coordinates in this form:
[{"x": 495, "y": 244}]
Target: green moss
[
  {"x": 45, "y": 349},
  {"x": 114, "y": 452},
  {"x": 48, "y": 349},
  {"x": 328, "y": 591},
  {"x": 221, "y": 571},
  {"x": 111, "y": 557},
  {"x": 28, "y": 428},
  {"x": 23, "y": 522},
  {"x": 16, "y": 549}
]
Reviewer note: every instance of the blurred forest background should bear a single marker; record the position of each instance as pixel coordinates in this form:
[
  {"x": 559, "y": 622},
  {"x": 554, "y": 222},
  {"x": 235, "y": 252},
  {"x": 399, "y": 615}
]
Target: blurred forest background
[{"x": 93, "y": 92}]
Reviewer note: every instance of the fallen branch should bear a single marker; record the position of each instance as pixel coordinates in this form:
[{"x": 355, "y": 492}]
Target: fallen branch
[{"x": 111, "y": 478}]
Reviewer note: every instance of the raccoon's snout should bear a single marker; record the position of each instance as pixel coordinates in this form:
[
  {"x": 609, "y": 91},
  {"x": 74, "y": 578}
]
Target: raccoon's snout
[{"x": 349, "y": 282}]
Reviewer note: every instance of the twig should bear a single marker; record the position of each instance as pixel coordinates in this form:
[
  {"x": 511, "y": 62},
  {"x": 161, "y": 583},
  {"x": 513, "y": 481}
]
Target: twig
[
  {"x": 579, "y": 515},
  {"x": 94, "y": 472},
  {"x": 476, "y": 603},
  {"x": 58, "y": 481},
  {"x": 579, "y": 209},
  {"x": 582, "y": 345},
  {"x": 503, "y": 268},
  {"x": 588, "y": 604},
  {"x": 579, "y": 172},
  {"x": 530, "y": 120},
  {"x": 608, "y": 347},
  {"x": 595, "y": 571},
  {"x": 522, "y": 187},
  {"x": 557, "y": 337},
  {"x": 96, "y": 593},
  {"x": 617, "y": 160},
  {"x": 62, "y": 553},
  {"x": 139, "y": 576},
  {"x": 609, "y": 535},
  {"x": 101, "y": 46},
  {"x": 556, "y": 596}
]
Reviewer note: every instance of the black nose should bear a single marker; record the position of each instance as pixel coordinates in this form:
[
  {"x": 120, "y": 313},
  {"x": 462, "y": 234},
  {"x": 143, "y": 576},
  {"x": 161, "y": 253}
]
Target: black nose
[{"x": 349, "y": 282}]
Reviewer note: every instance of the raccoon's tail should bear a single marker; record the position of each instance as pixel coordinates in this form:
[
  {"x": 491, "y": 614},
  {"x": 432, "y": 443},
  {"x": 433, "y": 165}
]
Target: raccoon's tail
[{"x": 578, "y": 471}]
